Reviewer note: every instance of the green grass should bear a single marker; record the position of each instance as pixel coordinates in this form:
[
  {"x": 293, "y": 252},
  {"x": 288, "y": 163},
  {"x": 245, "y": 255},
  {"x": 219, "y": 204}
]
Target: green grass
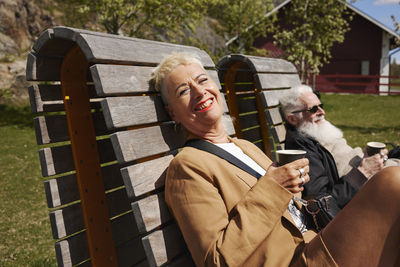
[
  {"x": 364, "y": 118},
  {"x": 26, "y": 239}
]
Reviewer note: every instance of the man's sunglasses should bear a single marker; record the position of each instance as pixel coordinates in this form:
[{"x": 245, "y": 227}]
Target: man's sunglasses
[{"x": 312, "y": 110}]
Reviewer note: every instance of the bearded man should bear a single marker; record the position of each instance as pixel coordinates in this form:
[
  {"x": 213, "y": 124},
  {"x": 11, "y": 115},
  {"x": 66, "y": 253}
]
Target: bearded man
[{"x": 308, "y": 130}]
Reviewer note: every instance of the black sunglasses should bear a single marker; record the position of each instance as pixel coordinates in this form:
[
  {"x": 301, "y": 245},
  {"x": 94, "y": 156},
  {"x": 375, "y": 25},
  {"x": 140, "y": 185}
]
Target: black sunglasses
[{"x": 312, "y": 110}]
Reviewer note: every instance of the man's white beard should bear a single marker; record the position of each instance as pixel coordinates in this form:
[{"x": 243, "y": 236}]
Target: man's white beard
[{"x": 324, "y": 132}]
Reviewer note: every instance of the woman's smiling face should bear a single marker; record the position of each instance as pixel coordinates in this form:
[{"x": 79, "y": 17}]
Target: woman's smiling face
[{"x": 193, "y": 98}]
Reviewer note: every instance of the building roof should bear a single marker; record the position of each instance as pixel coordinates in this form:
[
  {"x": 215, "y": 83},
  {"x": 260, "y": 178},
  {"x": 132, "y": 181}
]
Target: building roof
[
  {"x": 350, "y": 6},
  {"x": 377, "y": 23}
]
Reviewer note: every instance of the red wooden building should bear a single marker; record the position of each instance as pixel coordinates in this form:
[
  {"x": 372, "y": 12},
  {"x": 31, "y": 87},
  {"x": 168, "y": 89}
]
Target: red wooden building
[{"x": 361, "y": 64}]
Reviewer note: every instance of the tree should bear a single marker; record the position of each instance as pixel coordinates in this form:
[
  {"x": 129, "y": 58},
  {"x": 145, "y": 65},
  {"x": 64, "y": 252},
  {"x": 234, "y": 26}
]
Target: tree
[
  {"x": 151, "y": 19},
  {"x": 312, "y": 27},
  {"x": 241, "y": 21}
]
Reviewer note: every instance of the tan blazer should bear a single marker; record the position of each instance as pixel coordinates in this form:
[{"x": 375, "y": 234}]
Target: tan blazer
[{"x": 229, "y": 218}]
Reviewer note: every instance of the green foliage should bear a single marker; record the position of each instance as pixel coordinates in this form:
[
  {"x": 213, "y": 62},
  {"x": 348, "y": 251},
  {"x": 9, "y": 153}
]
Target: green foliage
[
  {"x": 243, "y": 20},
  {"x": 396, "y": 25},
  {"x": 313, "y": 27},
  {"x": 150, "y": 19},
  {"x": 5, "y": 95}
]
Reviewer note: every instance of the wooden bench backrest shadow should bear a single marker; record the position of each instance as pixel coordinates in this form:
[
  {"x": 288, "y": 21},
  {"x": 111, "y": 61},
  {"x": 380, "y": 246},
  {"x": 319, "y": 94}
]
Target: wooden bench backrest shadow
[
  {"x": 106, "y": 141},
  {"x": 253, "y": 86}
]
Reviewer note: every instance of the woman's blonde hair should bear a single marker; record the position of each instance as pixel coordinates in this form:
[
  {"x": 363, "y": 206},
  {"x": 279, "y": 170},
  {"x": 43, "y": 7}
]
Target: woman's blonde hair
[{"x": 166, "y": 66}]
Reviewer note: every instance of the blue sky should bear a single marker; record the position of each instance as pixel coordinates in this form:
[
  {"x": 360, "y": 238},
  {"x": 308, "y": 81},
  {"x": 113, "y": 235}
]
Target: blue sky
[{"x": 381, "y": 10}]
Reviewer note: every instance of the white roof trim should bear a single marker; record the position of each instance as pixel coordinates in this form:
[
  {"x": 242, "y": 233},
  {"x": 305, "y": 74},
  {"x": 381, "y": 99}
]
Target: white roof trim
[
  {"x": 384, "y": 27},
  {"x": 356, "y": 10},
  {"x": 265, "y": 16}
]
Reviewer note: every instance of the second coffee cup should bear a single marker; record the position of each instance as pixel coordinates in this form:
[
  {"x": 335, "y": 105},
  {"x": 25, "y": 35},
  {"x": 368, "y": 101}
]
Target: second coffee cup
[{"x": 374, "y": 148}]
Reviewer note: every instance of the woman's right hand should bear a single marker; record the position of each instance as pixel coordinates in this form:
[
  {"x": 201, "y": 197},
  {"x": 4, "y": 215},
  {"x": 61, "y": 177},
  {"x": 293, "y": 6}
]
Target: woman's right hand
[{"x": 289, "y": 175}]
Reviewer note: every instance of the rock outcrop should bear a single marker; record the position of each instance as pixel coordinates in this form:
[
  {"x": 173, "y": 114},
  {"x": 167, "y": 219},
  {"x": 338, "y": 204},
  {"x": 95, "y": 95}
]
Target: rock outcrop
[{"x": 21, "y": 22}]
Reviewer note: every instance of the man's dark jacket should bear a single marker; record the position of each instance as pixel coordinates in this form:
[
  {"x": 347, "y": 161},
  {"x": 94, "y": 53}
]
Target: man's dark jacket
[{"x": 324, "y": 178}]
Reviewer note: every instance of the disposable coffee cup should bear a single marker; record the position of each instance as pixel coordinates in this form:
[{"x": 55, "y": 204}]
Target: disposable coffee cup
[
  {"x": 374, "y": 148},
  {"x": 288, "y": 155}
]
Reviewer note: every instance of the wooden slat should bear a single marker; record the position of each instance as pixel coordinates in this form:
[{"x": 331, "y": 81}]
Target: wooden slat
[
  {"x": 45, "y": 98},
  {"x": 136, "y": 110},
  {"x": 64, "y": 189},
  {"x": 276, "y": 80},
  {"x": 124, "y": 79},
  {"x": 48, "y": 97},
  {"x": 45, "y": 66},
  {"x": 214, "y": 76},
  {"x": 184, "y": 260},
  {"x": 259, "y": 144},
  {"x": 151, "y": 212},
  {"x": 133, "y": 110},
  {"x": 134, "y": 144},
  {"x": 228, "y": 124},
  {"x": 61, "y": 190},
  {"x": 145, "y": 177},
  {"x": 280, "y": 131},
  {"x": 74, "y": 250},
  {"x": 41, "y": 68},
  {"x": 252, "y": 135},
  {"x": 66, "y": 221},
  {"x": 124, "y": 228},
  {"x": 52, "y": 129},
  {"x": 270, "y": 98},
  {"x": 120, "y": 79},
  {"x": 274, "y": 116},
  {"x": 246, "y": 103},
  {"x": 58, "y": 159},
  {"x": 102, "y": 48},
  {"x": 258, "y": 64},
  {"x": 130, "y": 253},
  {"x": 46, "y": 44},
  {"x": 143, "y": 263},
  {"x": 163, "y": 245},
  {"x": 117, "y": 202},
  {"x": 240, "y": 87},
  {"x": 84, "y": 264},
  {"x": 249, "y": 120},
  {"x": 262, "y": 64},
  {"x": 69, "y": 220}
]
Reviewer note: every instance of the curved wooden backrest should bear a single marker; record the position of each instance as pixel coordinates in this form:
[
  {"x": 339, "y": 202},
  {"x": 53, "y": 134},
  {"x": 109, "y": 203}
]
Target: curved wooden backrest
[
  {"x": 106, "y": 141},
  {"x": 253, "y": 86}
]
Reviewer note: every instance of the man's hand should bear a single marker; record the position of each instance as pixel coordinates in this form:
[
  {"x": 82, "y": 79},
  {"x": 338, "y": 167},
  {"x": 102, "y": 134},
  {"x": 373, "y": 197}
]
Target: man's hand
[{"x": 371, "y": 165}]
